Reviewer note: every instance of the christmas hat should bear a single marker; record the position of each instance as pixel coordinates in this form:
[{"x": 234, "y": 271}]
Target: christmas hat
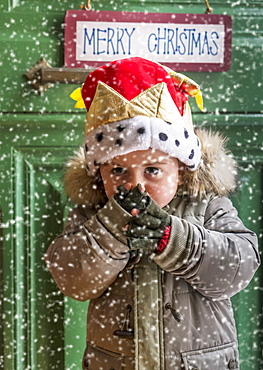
[{"x": 136, "y": 104}]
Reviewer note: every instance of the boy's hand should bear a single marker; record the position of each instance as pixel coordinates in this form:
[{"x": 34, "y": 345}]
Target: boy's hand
[
  {"x": 130, "y": 199},
  {"x": 147, "y": 227},
  {"x": 149, "y": 219}
]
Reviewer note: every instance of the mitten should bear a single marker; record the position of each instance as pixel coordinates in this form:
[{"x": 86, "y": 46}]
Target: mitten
[
  {"x": 129, "y": 199},
  {"x": 147, "y": 228}
]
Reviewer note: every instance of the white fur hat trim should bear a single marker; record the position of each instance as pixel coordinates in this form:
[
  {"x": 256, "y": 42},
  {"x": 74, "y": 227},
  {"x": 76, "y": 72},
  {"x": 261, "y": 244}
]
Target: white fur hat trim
[{"x": 141, "y": 133}]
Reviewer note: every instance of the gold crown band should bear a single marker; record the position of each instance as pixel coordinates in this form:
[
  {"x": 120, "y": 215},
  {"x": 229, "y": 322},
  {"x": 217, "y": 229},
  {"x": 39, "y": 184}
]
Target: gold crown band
[{"x": 109, "y": 106}]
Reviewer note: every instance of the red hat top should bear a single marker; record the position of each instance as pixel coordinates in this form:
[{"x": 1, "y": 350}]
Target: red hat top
[{"x": 130, "y": 77}]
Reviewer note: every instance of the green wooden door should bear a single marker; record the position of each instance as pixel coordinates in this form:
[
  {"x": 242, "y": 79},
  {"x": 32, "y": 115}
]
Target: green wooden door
[{"x": 41, "y": 329}]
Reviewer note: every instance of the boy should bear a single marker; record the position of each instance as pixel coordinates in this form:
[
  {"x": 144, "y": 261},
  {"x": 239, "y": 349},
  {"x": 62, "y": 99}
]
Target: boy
[{"x": 153, "y": 242}]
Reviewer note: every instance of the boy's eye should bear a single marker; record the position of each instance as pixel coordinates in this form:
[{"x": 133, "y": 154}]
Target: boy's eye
[
  {"x": 118, "y": 171},
  {"x": 152, "y": 170}
]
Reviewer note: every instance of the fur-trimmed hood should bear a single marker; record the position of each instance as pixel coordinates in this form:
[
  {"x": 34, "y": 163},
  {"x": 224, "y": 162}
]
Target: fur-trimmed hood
[{"x": 217, "y": 173}]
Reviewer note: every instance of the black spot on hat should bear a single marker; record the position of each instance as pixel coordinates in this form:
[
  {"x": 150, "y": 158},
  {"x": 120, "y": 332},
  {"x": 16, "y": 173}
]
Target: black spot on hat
[
  {"x": 141, "y": 130},
  {"x": 163, "y": 136},
  {"x": 97, "y": 164},
  {"x": 198, "y": 142},
  {"x": 99, "y": 137},
  {"x": 169, "y": 123},
  {"x": 120, "y": 128},
  {"x": 177, "y": 142},
  {"x": 186, "y": 134},
  {"x": 192, "y": 166},
  {"x": 118, "y": 142},
  {"x": 86, "y": 148},
  {"x": 191, "y": 156}
]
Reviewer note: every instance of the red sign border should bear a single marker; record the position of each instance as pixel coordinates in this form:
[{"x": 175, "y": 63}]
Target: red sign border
[{"x": 72, "y": 16}]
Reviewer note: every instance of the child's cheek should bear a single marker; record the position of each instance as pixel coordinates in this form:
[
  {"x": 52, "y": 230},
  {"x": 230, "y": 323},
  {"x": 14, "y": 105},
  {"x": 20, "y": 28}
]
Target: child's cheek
[{"x": 165, "y": 190}]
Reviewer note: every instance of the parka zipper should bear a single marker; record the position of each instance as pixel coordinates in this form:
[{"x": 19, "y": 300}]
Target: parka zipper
[{"x": 178, "y": 317}]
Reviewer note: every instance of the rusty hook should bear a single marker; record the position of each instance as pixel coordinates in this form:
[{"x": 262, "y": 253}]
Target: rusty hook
[
  {"x": 209, "y": 10},
  {"x": 87, "y": 6}
]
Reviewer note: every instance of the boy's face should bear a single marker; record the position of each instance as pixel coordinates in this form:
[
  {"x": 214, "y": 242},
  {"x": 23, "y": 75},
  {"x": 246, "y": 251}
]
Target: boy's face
[{"x": 156, "y": 171}]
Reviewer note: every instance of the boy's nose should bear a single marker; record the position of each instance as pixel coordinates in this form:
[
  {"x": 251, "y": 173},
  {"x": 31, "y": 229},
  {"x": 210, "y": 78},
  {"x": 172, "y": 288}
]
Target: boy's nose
[{"x": 136, "y": 178}]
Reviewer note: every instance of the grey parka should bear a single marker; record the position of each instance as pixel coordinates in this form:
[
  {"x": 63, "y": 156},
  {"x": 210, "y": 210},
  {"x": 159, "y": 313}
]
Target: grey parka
[{"x": 164, "y": 312}]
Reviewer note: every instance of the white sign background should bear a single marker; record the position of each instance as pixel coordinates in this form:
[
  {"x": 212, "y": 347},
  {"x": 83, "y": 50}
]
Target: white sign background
[{"x": 183, "y": 43}]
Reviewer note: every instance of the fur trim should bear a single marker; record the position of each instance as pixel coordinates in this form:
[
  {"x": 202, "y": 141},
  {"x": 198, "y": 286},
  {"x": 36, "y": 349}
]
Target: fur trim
[
  {"x": 78, "y": 186},
  {"x": 217, "y": 173},
  {"x": 141, "y": 133}
]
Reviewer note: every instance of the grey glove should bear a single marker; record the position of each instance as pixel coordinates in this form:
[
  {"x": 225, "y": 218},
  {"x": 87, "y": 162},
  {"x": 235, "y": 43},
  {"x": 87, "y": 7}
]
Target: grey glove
[{"x": 146, "y": 229}]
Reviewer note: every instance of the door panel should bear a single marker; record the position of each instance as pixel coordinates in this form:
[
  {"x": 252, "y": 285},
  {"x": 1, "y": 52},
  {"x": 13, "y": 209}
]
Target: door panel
[
  {"x": 249, "y": 302},
  {"x": 39, "y": 322}
]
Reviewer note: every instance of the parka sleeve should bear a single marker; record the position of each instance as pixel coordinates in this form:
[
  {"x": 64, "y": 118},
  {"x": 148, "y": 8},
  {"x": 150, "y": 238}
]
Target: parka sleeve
[
  {"x": 89, "y": 254},
  {"x": 218, "y": 259}
]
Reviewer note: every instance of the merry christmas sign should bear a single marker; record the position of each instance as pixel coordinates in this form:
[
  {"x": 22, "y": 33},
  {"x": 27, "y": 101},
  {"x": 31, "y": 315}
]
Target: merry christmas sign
[{"x": 184, "y": 42}]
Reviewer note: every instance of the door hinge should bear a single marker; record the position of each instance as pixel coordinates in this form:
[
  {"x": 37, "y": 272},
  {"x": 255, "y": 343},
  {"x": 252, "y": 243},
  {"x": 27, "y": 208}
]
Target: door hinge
[{"x": 42, "y": 76}]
